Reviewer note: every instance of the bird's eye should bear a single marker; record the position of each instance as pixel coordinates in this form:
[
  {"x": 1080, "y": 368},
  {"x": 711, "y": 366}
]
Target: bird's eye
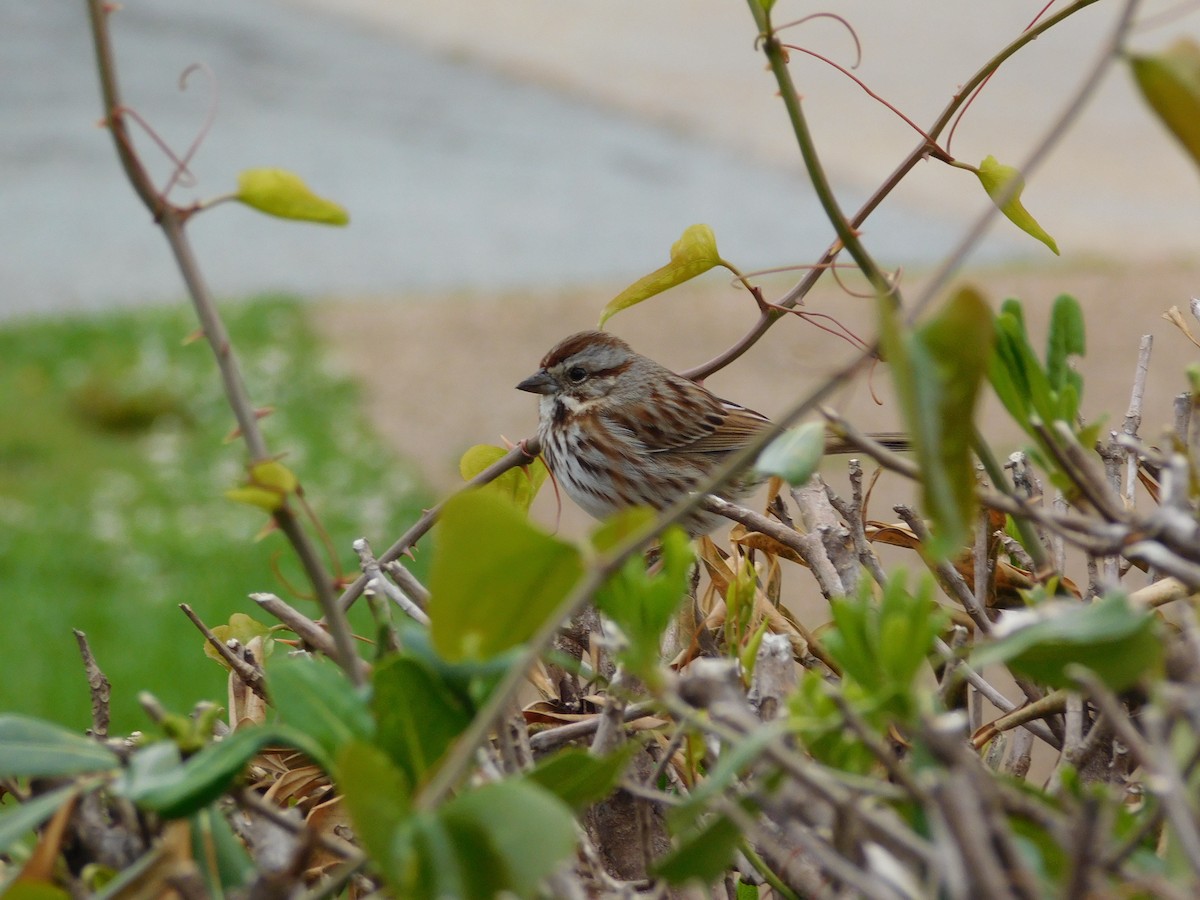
[{"x": 577, "y": 374}]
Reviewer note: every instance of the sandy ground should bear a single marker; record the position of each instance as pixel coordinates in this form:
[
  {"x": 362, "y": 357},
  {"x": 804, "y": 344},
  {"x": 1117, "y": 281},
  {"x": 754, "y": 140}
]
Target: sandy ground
[{"x": 439, "y": 371}]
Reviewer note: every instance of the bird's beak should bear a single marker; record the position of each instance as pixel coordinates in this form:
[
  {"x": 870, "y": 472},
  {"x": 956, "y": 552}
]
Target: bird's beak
[{"x": 539, "y": 382}]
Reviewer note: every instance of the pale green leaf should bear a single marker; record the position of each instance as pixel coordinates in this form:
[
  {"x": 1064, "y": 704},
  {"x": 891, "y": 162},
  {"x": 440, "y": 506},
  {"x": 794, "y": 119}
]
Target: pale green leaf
[
  {"x": 580, "y": 779},
  {"x": 1004, "y": 185},
  {"x": 33, "y": 747},
  {"x": 284, "y": 194},
  {"x": 495, "y": 578},
  {"x": 263, "y": 498},
  {"x": 1112, "y": 638},
  {"x": 315, "y": 696},
  {"x": 951, "y": 352},
  {"x": 377, "y": 796},
  {"x": 241, "y": 628},
  {"x": 521, "y": 829},
  {"x": 693, "y": 254},
  {"x": 417, "y": 715},
  {"x": 937, "y": 372},
  {"x": 703, "y": 856},
  {"x": 18, "y": 820},
  {"x": 157, "y": 779},
  {"x": 1170, "y": 83},
  {"x": 795, "y": 454},
  {"x": 642, "y": 603}
]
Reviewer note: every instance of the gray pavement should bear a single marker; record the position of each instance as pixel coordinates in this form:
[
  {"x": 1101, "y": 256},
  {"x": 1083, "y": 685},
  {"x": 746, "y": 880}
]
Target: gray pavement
[{"x": 455, "y": 176}]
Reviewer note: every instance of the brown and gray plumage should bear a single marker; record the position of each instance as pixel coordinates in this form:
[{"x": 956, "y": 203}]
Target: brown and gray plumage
[{"x": 619, "y": 430}]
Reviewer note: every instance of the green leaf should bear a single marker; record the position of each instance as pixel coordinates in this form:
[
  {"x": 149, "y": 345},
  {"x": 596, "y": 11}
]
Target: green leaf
[
  {"x": 731, "y": 763},
  {"x": 23, "y": 818},
  {"x": 579, "y": 779},
  {"x": 158, "y": 779},
  {"x": 32, "y": 747},
  {"x": 795, "y": 454},
  {"x": 959, "y": 343},
  {"x": 1015, "y": 372},
  {"x": 495, "y": 578},
  {"x": 693, "y": 254},
  {"x": 640, "y": 603},
  {"x": 881, "y": 647},
  {"x": 703, "y": 856},
  {"x": 1170, "y": 83},
  {"x": 221, "y": 857},
  {"x": 1115, "y": 640},
  {"x": 1002, "y": 182},
  {"x": 472, "y": 680},
  {"x": 821, "y": 726},
  {"x": 35, "y": 890},
  {"x": 416, "y": 714},
  {"x": 1065, "y": 340},
  {"x": 284, "y": 194},
  {"x": 937, "y": 372},
  {"x": 520, "y": 485},
  {"x": 522, "y": 827},
  {"x": 377, "y": 796},
  {"x": 314, "y": 696}
]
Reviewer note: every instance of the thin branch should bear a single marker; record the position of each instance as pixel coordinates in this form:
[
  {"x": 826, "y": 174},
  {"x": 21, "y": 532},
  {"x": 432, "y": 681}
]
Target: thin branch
[
  {"x": 377, "y": 580},
  {"x": 304, "y": 627},
  {"x": 252, "y": 675},
  {"x": 906, "y": 165},
  {"x": 172, "y": 219},
  {"x": 522, "y": 454},
  {"x": 98, "y": 685}
]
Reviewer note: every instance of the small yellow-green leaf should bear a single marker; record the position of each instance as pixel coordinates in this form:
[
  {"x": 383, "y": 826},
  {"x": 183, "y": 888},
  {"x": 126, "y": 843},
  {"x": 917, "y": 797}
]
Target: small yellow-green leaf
[
  {"x": 1170, "y": 83},
  {"x": 268, "y": 486},
  {"x": 1004, "y": 185},
  {"x": 274, "y": 476},
  {"x": 255, "y": 496},
  {"x": 693, "y": 254},
  {"x": 281, "y": 193},
  {"x": 520, "y": 485}
]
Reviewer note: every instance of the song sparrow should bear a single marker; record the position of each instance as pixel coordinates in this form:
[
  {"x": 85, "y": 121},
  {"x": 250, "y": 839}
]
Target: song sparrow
[{"x": 619, "y": 430}]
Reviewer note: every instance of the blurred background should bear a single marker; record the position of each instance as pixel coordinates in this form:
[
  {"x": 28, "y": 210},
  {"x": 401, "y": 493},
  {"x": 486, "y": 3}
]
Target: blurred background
[{"x": 508, "y": 167}]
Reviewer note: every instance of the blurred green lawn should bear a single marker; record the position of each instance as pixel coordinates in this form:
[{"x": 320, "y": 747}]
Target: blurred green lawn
[{"x": 113, "y": 465}]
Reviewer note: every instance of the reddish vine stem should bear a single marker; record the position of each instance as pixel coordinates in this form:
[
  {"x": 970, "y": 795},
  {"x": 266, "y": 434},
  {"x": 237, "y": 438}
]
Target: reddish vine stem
[{"x": 801, "y": 290}]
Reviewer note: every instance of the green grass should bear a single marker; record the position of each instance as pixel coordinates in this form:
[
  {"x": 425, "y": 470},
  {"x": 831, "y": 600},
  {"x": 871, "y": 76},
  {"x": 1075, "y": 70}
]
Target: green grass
[{"x": 113, "y": 465}]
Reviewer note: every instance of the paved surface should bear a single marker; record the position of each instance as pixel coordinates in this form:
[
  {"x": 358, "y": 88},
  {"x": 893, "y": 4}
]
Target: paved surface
[
  {"x": 455, "y": 175},
  {"x": 1115, "y": 187}
]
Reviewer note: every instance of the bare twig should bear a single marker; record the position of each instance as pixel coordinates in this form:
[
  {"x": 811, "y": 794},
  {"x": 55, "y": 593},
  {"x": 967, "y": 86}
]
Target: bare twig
[
  {"x": 377, "y": 580},
  {"x": 808, "y": 546},
  {"x": 552, "y": 738},
  {"x": 1163, "y": 777},
  {"x": 306, "y": 629},
  {"x": 1133, "y": 416},
  {"x": 252, "y": 675},
  {"x": 98, "y": 685},
  {"x": 949, "y": 576},
  {"x": 522, "y": 454}
]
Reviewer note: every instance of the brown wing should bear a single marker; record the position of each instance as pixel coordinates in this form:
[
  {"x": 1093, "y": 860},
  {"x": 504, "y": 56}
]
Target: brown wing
[
  {"x": 737, "y": 427},
  {"x": 683, "y": 417}
]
